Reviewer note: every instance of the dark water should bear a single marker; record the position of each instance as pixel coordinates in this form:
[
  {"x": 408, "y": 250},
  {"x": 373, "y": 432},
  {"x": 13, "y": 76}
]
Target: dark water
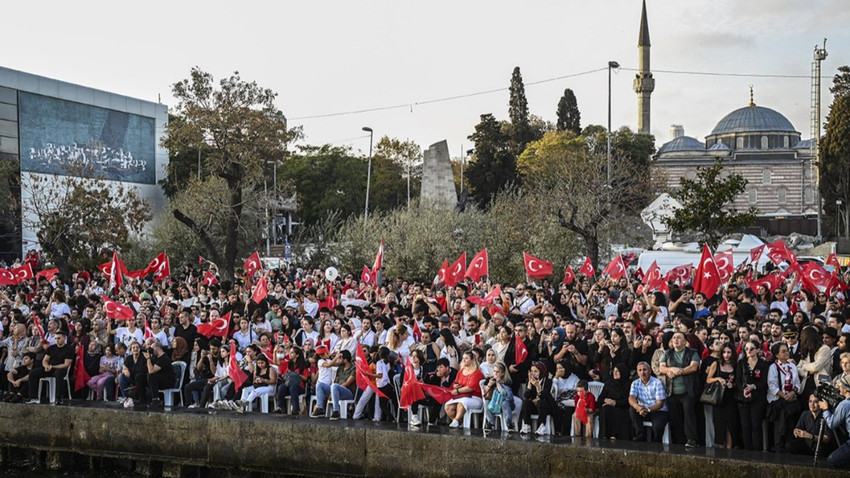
[{"x": 25, "y": 468}]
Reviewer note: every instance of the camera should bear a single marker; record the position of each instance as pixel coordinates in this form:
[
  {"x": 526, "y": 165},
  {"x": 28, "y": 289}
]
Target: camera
[{"x": 830, "y": 394}]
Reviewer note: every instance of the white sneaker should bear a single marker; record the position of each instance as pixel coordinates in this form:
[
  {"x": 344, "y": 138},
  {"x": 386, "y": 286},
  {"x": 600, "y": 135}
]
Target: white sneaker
[
  {"x": 194, "y": 405},
  {"x": 121, "y": 399},
  {"x": 543, "y": 430},
  {"x": 128, "y": 403},
  {"x": 525, "y": 429},
  {"x": 454, "y": 424},
  {"x": 34, "y": 401},
  {"x": 414, "y": 420}
]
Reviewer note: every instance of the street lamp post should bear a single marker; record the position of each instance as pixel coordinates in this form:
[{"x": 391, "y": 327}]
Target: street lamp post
[
  {"x": 368, "y": 172},
  {"x": 611, "y": 64}
]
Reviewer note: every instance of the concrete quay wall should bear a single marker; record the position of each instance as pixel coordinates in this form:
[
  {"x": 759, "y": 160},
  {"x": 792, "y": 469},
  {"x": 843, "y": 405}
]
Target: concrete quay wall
[{"x": 267, "y": 445}]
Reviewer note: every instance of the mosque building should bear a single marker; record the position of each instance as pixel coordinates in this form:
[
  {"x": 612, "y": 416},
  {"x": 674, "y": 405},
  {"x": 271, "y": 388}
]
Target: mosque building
[{"x": 756, "y": 142}]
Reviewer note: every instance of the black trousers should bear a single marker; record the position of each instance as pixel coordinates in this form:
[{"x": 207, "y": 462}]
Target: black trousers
[
  {"x": 683, "y": 418},
  {"x": 658, "y": 419},
  {"x": 543, "y": 409},
  {"x": 37, "y": 373},
  {"x": 751, "y": 415}
]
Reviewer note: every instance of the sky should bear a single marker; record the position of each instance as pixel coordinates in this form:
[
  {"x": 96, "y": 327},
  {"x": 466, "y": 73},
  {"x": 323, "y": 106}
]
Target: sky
[{"x": 394, "y": 57}]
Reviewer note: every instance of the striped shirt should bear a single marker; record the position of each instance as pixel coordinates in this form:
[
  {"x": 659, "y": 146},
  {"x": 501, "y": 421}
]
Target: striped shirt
[{"x": 649, "y": 393}]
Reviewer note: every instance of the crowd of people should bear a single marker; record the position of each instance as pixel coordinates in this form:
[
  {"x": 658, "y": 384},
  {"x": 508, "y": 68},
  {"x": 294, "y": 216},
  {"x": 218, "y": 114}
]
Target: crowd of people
[{"x": 596, "y": 357}]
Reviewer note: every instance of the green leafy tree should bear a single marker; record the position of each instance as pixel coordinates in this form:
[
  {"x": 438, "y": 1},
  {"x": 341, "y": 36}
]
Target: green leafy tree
[
  {"x": 520, "y": 132},
  {"x": 704, "y": 202},
  {"x": 239, "y": 130},
  {"x": 493, "y": 165},
  {"x": 835, "y": 165},
  {"x": 397, "y": 159},
  {"x": 79, "y": 217},
  {"x": 841, "y": 81},
  {"x": 567, "y": 182},
  {"x": 569, "y": 117},
  {"x": 10, "y": 205}
]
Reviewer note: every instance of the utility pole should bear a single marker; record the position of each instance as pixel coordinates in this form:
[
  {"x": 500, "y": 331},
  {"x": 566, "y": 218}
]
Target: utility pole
[{"x": 819, "y": 55}]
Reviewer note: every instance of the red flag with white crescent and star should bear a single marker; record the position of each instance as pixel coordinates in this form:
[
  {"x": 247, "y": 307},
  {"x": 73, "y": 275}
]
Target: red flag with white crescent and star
[
  {"x": 616, "y": 268},
  {"x": 520, "y": 350},
  {"x": 457, "y": 271},
  {"x": 653, "y": 274},
  {"x": 116, "y": 311},
  {"x": 680, "y": 274},
  {"x": 218, "y": 327},
  {"x": 536, "y": 268},
  {"x": 707, "y": 278},
  {"x": 479, "y": 266},
  {"x": 725, "y": 264},
  {"x": 252, "y": 264},
  {"x": 569, "y": 276},
  {"x": 366, "y": 275},
  {"x": 159, "y": 266},
  {"x": 411, "y": 389},
  {"x": 237, "y": 374},
  {"x": 209, "y": 278},
  {"x": 587, "y": 268},
  {"x": 23, "y": 273}
]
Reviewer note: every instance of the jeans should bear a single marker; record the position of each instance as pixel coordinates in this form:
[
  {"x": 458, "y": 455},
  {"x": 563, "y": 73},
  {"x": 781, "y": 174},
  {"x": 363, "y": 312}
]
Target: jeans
[
  {"x": 323, "y": 391},
  {"x": 507, "y": 408},
  {"x": 338, "y": 392},
  {"x": 294, "y": 392},
  {"x": 841, "y": 456}
]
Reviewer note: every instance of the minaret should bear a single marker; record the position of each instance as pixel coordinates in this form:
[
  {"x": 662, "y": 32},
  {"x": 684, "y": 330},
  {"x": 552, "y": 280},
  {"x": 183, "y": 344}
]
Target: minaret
[{"x": 644, "y": 83}]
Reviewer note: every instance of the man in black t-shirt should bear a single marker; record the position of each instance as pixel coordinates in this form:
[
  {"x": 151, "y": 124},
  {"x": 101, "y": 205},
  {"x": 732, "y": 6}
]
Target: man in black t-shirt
[
  {"x": 56, "y": 363},
  {"x": 160, "y": 373},
  {"x": 19, "y": 377}
]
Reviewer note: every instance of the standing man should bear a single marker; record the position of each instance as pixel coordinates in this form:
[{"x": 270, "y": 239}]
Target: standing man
[{"x": 681, "y": 366}]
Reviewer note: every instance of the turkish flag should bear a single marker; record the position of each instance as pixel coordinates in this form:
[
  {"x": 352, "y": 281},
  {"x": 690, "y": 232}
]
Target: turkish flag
[
  {"x": 7, "y": 277},
  {"x": 585, "y": 402},
  {"x": 725, "y": 264},
  {"x": 81, "y": 377},
  {"x": 779, "y": 252},
  {"x": 587, "y": 268},
  {"x": 379, "y": 259},
  {"x": 487, "y": 299},
  {"x": 217, "y": 327},
  {"x": 209, "y": 278},
  {"x": 261, "y": 291},
  {"x": 237, "y": 374},
  {"x": 411, "y": 389},
  {"x": 723, "y": 308},
  {"x": 440, "y": 394},
  {"x": 441, "y": 274},
  {"x": 681, "y": 274},
  {"x": 40, "y": 329},
  {"x": 638, "y": 274},
  {"x": 479, "y": 266},
  {"x": 137, "y": 274},
  {"x": 653, "y": 274},
  {"x": 159, "y": 266},
  {"x": 569, "y": 276},
  {"x": 252, "y": 264},
  {"x": 47, "y": 273},
  {"x": 707, "y": 278},
  {"x": 148, "y": 331},
  {"x": 536, "y": 268},
  {"x": 616, "y": 269},
  {"x": 200, "y": 260},
  {"x": 363, "y": 380},
  {"x": 771, "y": 281},
  {"x": 417, "y": 332},
  {"x": 755, "y": 253},
  {"x": 816, "y": 278},
  {"x": 457, "y": 271},
  {"x": 22, "y": 273},
  {"x": 520, "y": 350},
  {"x": 116, "y": 311},
  {"x": 113, "y": 270},
  {"x": 366, "y": 275},
  {"x": 832, "y": 260}
]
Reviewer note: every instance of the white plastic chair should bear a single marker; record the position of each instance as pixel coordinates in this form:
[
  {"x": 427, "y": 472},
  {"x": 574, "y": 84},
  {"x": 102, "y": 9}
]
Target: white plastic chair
[
  {"x": 472, "y": 417},
  {"x": 666, "y": 438},
  {"x": 51, "y": 385},
  {"x": 179, "y": 370},
  {"x": 264, "y": 402}
]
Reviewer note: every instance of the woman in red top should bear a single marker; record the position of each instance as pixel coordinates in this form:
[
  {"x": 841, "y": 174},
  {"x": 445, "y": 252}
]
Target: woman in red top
[{"x": 466, "y": 390}]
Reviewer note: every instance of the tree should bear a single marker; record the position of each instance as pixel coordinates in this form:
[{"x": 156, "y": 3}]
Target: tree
[
  {"x": 404, "y": 154},
  {"x": 10, "y": 205},
  {"x": 518, "y": 113},
  {"x": 567, "y": 182},
  {"x": 841, "y": 82},
  {"x": 79, "y": 216},
  {"x": 834, "y": 165},
  {"x": 569, "y": 117},
  {"x": 704, "y": 202},
  {"x": 493, "y": 164},
  {"x": 238, "y": 129}
]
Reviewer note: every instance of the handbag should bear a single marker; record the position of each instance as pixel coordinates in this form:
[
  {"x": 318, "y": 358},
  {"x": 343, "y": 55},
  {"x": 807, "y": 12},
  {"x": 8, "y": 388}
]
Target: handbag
[
  {"x": 495, "y": 403},
  {"x": 712, "y": 394}
]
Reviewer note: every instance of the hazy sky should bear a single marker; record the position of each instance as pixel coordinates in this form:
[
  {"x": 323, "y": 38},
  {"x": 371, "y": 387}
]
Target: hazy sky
[{"x": 340, "y": 56}]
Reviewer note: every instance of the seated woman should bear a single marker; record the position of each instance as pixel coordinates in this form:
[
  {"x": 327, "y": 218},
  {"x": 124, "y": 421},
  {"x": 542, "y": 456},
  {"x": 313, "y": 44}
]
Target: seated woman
[
  {"x": 108, "y": 369},
  {"x": 466, "y": 389},
  {"x": 564, "y": 392},
  {"x": 538, "y": 399},
  {"x": 499, "y": 386},
  {"x": 265, "y": 379},
  {"x": 294, "y": 381},
  {"x": 134, "y": 373},
  {"x": 220, "y": 379},
  {"x": 613, "y": 403}
]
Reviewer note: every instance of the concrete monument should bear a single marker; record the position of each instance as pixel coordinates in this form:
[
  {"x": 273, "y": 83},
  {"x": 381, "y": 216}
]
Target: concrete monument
[{"x": 438, "y": 186}]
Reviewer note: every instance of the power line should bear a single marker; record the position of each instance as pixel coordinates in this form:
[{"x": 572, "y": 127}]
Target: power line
[{"x": 539, "y": 82}]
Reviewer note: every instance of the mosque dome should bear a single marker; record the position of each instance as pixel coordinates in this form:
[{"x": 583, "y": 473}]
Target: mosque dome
[
  {"x": 682, "y": 143},
  {"x": 753, "y": 118}
]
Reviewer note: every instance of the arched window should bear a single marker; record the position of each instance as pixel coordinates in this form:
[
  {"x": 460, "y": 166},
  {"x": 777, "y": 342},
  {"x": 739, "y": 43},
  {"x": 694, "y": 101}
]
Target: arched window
[
  {"x": 786, "y": 143},
  {"x": 752, "y": 196},
  {"x": 764, "y": 142},
  {"x": 810, "y": 196},
  {"x": 765, "y": 176},
  {"x": 781, "y": 195},
  {"x": 739, "y": 142}
]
